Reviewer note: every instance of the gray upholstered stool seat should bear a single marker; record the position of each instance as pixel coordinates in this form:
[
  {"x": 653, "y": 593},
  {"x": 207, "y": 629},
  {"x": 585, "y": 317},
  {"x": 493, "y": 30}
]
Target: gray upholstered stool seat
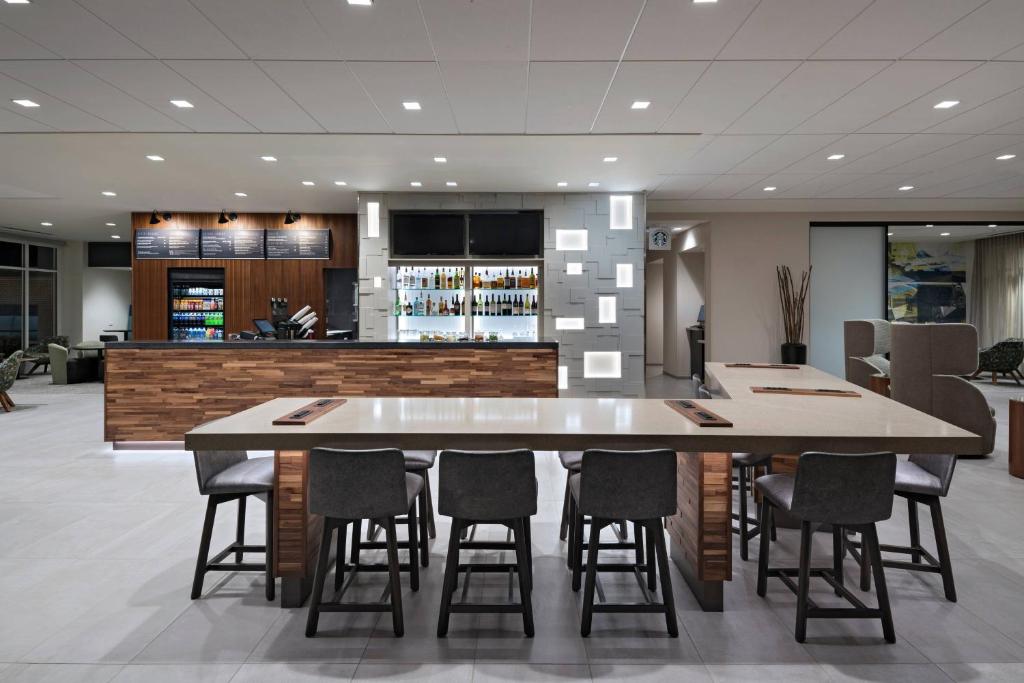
[
  {"x": 750, "y": 459},
  {"x": 778, "y": 488},
  {"x": 912, "y": 478},
  {"x": 419, "y": 460},
  {"x": 249, "y": 476},
  {"x": 571, "y": 460}
]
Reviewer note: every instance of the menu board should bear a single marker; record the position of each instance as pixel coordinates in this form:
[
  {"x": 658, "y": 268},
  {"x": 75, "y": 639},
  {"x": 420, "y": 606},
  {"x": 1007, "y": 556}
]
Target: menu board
[
  {"x": 154, "y": 243},
  {"x": 233, "y": 244},
  {"x": 298, "y": 244}
]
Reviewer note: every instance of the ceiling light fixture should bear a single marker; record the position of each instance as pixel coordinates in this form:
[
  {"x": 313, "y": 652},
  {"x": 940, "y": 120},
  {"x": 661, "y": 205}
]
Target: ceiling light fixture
[
  {"x": 308, "y": 183},
  {"x": 361, "y": 3},
  {"x": 291, "y": 216},
  {"x": 225, "y": 217},
  {"x": 943, "y": 234},
  {"x": 451, "y": 183},
  {"x": 610, "y": 160},
  {"x": 416, "y": 183},
  {"x": 182, "y": 104},
  {"x": 241, "y": 194},
  {"x": 340, "y": 183},
  {"x": 26, "y": 103},
  {"x": 115, "y": 237},
  {"x": 154, "y": 157},
  {"x": 929, "y": 225},
  {"x": 1006, "y": 157},
  {"x": 46, "y": 224},
  {"x": 889, "y": 234},
  {"x": 704, "y": 2},
  {"x": 593, "y": 184},
  {"x": 836, "y": 157},
  {"x": 411, "y": 106},
  {"x": 562, "y": 183},
  {"x": 640, "y": 104},
  {"x": 946, "y": 104},
  {"x": 678, "y": 228},
  {"x": 992, "y": 225},
  {"x": 108, "y": 193},
  {"x": 770, "y": 188},
  {"x": 111, "y": 225},
  {"x": 905, "y": 188},
  {"x": 268, "y": 158},
  {"x": 440, "y": 160},
  {"x": 154, "y": 218},
  {"x": 17, "y": 2}
]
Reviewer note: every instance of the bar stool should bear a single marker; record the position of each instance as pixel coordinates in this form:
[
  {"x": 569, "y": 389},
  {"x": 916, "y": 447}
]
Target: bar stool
[
  {"x": 488, "y": 488},
  {"x": 924, "y": 479},
  {"x": 571, "y": 462},
  {"x": 224, "y": 476},
  {"x": 848, "y": 492},
  {"x": 348, "y": 487},
  {"x": 637, "y": 486},
  {"x": 418, "y": 463}
]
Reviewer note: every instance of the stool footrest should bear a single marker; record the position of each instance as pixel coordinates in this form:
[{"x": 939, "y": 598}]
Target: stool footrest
[
  {"x": 630, "y": 607},
  {"x": 354, "y": 607},
  {"x": 488, "y": 568},
  {"x": 235, "y": 567},
  {"x": 486, "y": 607}
]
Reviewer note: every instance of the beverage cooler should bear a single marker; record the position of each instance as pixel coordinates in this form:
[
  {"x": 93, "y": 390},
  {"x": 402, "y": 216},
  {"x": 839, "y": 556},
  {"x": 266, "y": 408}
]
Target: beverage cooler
[
  {"x": 453, "y": 302},
  {"x": 196, "y": 305}
]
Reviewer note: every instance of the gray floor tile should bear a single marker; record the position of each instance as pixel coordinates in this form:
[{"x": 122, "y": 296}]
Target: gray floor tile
[
  {"x": 435, "y": 673},
  {"x": 906, "y": 673},
  {"x": 794, "y": 673},
  {"x": 176, "y": 673},
  {"x": 989, "y": 673},
  {"x": 292, "y": 672},
  {"x": 651, "y": 673},
  {"x": 58, "y": 673},
  {"x": 530, "y": 673}
]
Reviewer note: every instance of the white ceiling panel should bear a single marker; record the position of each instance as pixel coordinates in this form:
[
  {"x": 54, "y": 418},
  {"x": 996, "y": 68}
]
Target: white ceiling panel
[
  {"x": 564, "y": 97},
  {"x": 818, "y": 185},
  {"x": 13, "y": 122},
  {"x": 806, "y": 91},
  {"x": 874, "y": 183},
  {"x": 681, "y": 186},
  {"x": 270, "y": 29},
  {"x": 1016, "y": 54},
  {"x": 960, "y": 153},
  {"x": 1012, "y": 128},
  {"x": 391, "y": 83},
  {"x": 15, "y": 46},
  {"x": 479, "y": 30},
  {"x": 781, "y": 181},
  {"x": 243, "y": 88},
  {"x": 990, "y": 116},
  {"x": 69, "y": 30},
  {"x": 888, "y": 29},
  {"x": 670, "y": 29},
  {"x": 571, "y": 30},
  {"x": 790, "y": 29},
  {"x": 1006, "y": 187},
  {"x": 70, "y": 83},
  {"x": 329, "y": 93},
  {"x": 853, "y": 146},
  {"x": 885, "y": 92},
  {"x": 986, "y": 32},
  {"x": 156, "y": 84},
  {"x": 390, "y": 30},
  {"x": 487, "y": 97},
  {"x": 724, "y": 93},
  {"x": 726, "y": 186},
  {"x": 895, "y": 153},
  {"x": 722, "y": 153},
  {"x": 784, "y": 152},
  {"x": 51, "y": 111},
  {"x": 169, "y": 29},
  {"x": 663, "y": 84}
]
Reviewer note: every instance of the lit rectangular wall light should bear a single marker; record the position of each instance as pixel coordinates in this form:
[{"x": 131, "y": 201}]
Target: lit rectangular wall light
[
  {"x": 574, "y": 269},
  {"x": 568, "y": 323},
  {"x": 378, "y": 282},
  {"x": 606, "y": 309},
  {"x": 373, "y": 219},
  {"x": 570, "y": 240},
  {"x": 621, "y": 210},
  {"x": 563, "y": 376},
  {"x": 602, "y": 364},
  {"x": 623, "y": 274}
]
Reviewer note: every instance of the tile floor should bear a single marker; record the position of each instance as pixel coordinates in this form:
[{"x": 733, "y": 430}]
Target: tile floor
[{"x": 97, "y": 549}]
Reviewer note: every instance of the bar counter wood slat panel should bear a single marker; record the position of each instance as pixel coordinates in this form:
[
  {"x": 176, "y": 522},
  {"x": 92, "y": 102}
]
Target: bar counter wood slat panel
[{"x": 159, "y": 394}]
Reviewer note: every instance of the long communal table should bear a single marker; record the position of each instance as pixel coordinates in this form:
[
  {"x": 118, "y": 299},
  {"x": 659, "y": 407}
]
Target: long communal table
[{"x": 700, "y": 531}]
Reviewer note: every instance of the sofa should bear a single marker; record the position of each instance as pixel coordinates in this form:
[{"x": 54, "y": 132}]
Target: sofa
[{"x": 865, "y": 345}]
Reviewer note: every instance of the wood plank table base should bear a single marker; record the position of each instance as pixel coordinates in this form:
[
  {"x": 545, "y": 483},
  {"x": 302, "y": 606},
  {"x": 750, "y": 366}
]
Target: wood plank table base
[{"x": 297, "y": 531}]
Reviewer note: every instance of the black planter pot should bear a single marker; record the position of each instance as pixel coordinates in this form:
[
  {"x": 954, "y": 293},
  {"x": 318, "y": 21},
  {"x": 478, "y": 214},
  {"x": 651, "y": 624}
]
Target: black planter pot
[{"x": 794, "y": 354}]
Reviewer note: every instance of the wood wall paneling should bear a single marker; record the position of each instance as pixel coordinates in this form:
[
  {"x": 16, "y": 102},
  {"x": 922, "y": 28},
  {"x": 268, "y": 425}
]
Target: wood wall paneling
[{"x": 249, "y": 284}]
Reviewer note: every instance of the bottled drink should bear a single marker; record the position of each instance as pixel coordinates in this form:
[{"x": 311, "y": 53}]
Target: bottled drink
[
  {"x": 451, "y": 281},
  {"x": 429, "y": 306},
  {"x": 500, "y": 281},
  {"x": 472, "y": 306},
  {"x": 457, "y": 305},
  {"x": 533, "y": 306},
  {"x": 398, "y": 304},
  {"x": 476, "y": 279},
  {"x": 408, "y": 307},
  {"x": 487, "y": 280},
  {"x": 458, "y": 278}
]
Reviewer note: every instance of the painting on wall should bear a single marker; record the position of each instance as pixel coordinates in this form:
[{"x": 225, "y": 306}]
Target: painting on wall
[{"x": 926, "y": 282}]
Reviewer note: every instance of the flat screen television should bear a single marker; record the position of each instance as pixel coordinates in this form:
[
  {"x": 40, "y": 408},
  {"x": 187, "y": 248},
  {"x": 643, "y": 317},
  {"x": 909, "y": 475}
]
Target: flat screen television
[
  {"x": 428, "y": 234},
  {"x": 513, "y": 233}
]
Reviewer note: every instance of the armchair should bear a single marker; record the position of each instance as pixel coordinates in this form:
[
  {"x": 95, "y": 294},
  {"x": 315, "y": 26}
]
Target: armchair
[
  {"x": 865, "y": 345},
  {"x": 65, "y": 370},
  {"x": 39, "y": 354},
  {"x": 1003, "y": 358},
  {"x": 8, "y": 373}
]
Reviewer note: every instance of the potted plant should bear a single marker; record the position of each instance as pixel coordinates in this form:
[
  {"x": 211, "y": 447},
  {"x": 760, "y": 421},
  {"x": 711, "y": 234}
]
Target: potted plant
[{"x": 793, "y": 302}]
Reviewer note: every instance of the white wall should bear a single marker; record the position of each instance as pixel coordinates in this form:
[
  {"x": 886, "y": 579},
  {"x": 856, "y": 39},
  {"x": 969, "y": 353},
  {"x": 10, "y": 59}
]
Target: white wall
[
  {"x": 654, "y": 321},
  {"x": 70, "y": 271},
  {"x": 106, "y": 296},
  {"x": 847, "y": 283},
  {"x": 684, "y": 294}
]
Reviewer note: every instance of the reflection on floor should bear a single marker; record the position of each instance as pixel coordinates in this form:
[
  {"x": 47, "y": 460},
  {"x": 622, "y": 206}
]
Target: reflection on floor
[{"x": 97, "y": 550}]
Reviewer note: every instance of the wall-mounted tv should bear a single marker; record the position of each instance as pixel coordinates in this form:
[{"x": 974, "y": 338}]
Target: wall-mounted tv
[
  {"x": 512, "y": 233},
  {"x": 428, "y": 234}
]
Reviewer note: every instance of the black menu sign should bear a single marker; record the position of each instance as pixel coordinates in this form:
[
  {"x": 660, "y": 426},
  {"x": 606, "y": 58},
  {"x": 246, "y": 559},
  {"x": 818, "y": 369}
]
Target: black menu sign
[
  {"x": 154, "y": 243},
  {"x": 298, "y": 244},
  {"x": 233, "y": 244}
]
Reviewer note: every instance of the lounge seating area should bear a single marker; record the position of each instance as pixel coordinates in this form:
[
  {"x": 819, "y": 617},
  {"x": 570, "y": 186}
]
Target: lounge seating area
[{"x": 1003, "y": 359}]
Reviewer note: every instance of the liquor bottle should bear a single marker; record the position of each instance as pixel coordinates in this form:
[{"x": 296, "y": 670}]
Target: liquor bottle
[
  {"x": 408, "y": 307},
  {"x": 457, "y": 306},
  {"x": 451, "y": 281},
  {"x": 476, "y": 279},
  {"x": 499, "y": 281},
  {"x": 486, "y": 283},
  {"x": 430, "y": 306},
  {"x": 398, "y": 304},
  {"x": 424, "y": 276},
  {"x": 458, "y": 278},
  {"x": 533, "y": 306},
  {"x": 419, "y": 306},
  {"x": 519, "y": 306},
  {"x": 437, "y": 279}
]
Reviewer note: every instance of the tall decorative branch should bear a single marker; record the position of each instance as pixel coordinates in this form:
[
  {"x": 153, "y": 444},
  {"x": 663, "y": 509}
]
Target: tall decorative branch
[{"x": 793, "y": 302}]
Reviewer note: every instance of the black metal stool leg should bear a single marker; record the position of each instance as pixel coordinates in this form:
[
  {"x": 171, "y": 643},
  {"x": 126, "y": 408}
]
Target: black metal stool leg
[
  {"x": 525, "y": 571},
  {"x": 204, "y": 548},
  {"x": 838, "y": 553},
  {"x": 414, "y": 547},
  {"x": 576, "y": 550},
  {"x": 915, "y": 531},
  {"x": 313, "y": 618},
  {"x": 865, "y": 566},
  {"x": 451, "y": 576},
  {"x": 339, "y": 557},
  {"x": 357, "y": 529},
  {"x": 870, "y": 538},
  {"x": 431, "y": 529},
  {"x": 424, "y": 531},
  {"x": 743, "y": 514},
  {"x": 588, "y": 592},
  {"x": 804, "y": 582},
  {"x": 942, "y": 548},
  {"x": 270, "y": 553},
  {"x": 652, "y": 571},
  {"x": 396, "y": 577},
  {"x": 240, "y": 528},
  {"x": 766, "y": 542},
  {"x": 657, "y": 537},
  {"x": 563, "y": 530}
]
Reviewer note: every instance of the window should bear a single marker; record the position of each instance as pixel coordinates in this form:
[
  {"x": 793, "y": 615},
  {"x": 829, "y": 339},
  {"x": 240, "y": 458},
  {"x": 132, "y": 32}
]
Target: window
[
  {"x": 12, "y": 299},
  {"x": 28, "y": 295}
]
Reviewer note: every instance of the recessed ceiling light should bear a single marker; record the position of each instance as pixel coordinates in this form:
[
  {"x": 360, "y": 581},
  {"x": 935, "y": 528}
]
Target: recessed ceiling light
[
  {"x": 678, "y": 228},
  {"x": 889, "y": 234},
  {"x": 46, "y": 224},
  {"x": 182, "y": 104},
  {"x": 704, "y": 2},
  {"x": 340, "y": 183},
  {"x": 440, "y": 160},
  {"x": 593, "y": 184},
  {"x": 609, "y": 160},
  {"x": 1005, "y": 157},
  {"x": 154, "y": 157},
  {"x": 452, "y": 183},
  {"x": 562, "y": 183},
  {"x": 241, "y": 194},
  {"x": 115, "y": 237},
  {"x": 946, "y": 104},
  {"x": 905, "y": 188},
  {"x": 17, "y": 2},
  {"x": 836, "y": 157},
  {"x": 412, "y": 106},
  {"x": 416, "y": 183},
  {"x": 308, "y": 183},
  {"x": 110, "y": 225},
  {"x": 943, "y": 234},
  {"x": 929, "y": 225},
  {"x": 992, "y": 225},
  {"x": 269, "y": 158},
  {"x": 640, "y": 104},
  {"x": 26, "y": 103},
  {"x": 361, "y": 3},
  {"x": 108, "y": 193},
  {"x": 770, "y": 188}
]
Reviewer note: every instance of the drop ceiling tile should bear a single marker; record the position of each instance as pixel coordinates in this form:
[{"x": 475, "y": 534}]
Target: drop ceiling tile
[
  {"x": 722, "y": 153},
  {"x": 897, "y": 152},
  {"x": 69, "y": 30},
  {"x": 874, "y": 183},
  {"x": 961, "y": 153},
  {"x": 329, "y": 93},
  {"x": 1005, "y": 187},
  {"x": 976, "y": 87},
  {"x": 681, "y": 186},
  {"x": 818, "y": 185},
  {"x": 243, "y": 88},
  {"x": 270, "y": 29},
  {"x": 156, "y": 84},
  {"x": 810, "y": 88},
  {"x": 564, "y": 97},
  {"x": 169, "y": 29},
  {"x": 988, "y": 31},
  {"x": 581, "y": 30},
  {"x": 853, "y": 146},
  {"x": 886, "y": 91},
  {"x": 390, "y": 30},
  {"x": 487, "y": 97},
  {"x": 479, "y": 30},
  {"x": 670, "y": 29},
  {"x": 784, "y": 152},
  {"x": 663, "y": 84},
  {"x": 994, "y": 114},
  {"x": 13, "y": 122},
  {"x": 790, "y": 29},
  {"x": 15, "y": 46},
  {"x": 72, "y": 84},
  {"x": 782, "y": 181},
  {"x": 52, "y": 112},
  {"x": 727, "y": 186},
  {"x": 1016, "y": 54},
  {"x": 724, "y": 93},
  {"x": 391, "y": 83},
  {"x": 890, "y": 29},
  {"x": 1014, "y": 127}
]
